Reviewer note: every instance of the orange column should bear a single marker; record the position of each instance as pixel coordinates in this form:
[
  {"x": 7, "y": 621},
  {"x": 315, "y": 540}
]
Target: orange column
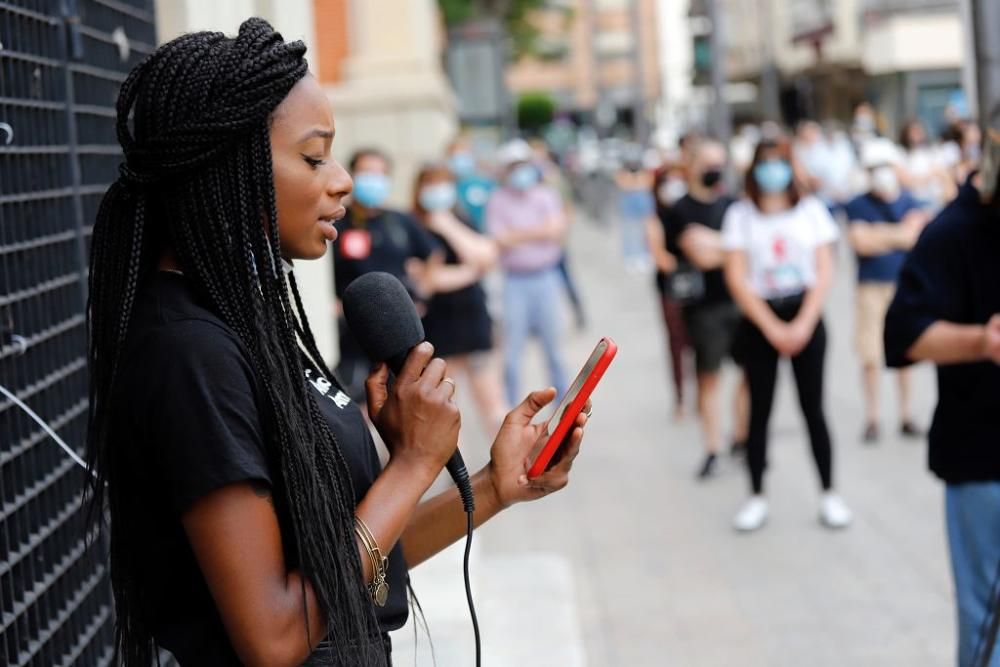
[{"x": 332, "y": 21}]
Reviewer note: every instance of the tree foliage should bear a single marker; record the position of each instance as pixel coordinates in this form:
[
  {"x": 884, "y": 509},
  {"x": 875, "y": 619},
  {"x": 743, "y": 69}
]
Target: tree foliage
[
  {"x": 535, "y": 111},
  {"x": 515, "y": 15}
]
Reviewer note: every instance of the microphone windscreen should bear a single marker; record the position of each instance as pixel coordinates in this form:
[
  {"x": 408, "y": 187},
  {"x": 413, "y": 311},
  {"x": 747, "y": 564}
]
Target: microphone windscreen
[{"x": 382, "y": 317}]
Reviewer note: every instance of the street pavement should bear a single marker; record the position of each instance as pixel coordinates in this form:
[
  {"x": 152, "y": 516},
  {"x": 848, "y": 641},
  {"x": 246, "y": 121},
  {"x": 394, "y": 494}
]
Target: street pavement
[{"x": 635, "y": 563}]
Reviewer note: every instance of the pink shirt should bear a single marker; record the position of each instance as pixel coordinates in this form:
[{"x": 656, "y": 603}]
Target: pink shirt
[{"x": 510, "y": 209}]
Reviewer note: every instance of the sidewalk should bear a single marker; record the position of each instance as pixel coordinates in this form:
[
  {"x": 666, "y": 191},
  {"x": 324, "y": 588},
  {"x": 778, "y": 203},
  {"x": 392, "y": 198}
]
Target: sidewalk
[{"x": 636, "y": 564}]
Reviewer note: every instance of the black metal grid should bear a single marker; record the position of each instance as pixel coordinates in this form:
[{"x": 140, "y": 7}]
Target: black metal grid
[{"x": 61, "y": 64}]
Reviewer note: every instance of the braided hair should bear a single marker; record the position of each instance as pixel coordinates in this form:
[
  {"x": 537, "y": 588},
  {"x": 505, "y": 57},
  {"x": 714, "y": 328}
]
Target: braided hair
[{"x": 197, "y": 180}]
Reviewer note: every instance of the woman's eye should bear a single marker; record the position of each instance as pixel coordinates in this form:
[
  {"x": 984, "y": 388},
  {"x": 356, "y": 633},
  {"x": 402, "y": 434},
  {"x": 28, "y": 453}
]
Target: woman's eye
[{"x": 313, "y": 162}]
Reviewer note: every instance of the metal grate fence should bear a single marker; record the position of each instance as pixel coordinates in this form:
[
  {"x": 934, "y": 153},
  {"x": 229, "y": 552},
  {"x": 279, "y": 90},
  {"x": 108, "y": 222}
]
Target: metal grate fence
[{"x": 61, "y": 64}]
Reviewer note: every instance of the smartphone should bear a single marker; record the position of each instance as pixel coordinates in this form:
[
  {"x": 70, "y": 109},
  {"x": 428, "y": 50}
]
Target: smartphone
[{"x": 562, "y": 421}]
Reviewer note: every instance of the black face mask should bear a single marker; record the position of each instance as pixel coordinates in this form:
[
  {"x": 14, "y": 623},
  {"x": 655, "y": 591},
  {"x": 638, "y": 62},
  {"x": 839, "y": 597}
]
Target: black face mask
[{"x": 711, "y": 178}]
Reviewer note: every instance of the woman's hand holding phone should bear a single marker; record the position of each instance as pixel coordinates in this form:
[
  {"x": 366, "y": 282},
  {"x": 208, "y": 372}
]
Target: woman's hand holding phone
[{"x": 518, "y": 443}]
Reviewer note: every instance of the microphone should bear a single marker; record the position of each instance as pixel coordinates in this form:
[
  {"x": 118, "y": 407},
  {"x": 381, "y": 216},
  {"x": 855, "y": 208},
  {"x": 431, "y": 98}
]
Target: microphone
[{"x": 382, "y": 317}]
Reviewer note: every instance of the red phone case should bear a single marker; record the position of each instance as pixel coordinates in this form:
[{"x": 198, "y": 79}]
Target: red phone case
[{"x": 573, "y": 409}]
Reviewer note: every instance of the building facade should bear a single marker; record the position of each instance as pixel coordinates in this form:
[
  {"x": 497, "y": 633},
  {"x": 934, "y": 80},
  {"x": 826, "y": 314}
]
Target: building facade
[
  {"x": 819, "y": 58},
  {"x": 599, "y": 59},
  {"x": 913, "y": 53}
]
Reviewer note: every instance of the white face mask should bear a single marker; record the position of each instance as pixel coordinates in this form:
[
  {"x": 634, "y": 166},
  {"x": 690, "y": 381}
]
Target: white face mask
[{"x": 885, "y": 183}]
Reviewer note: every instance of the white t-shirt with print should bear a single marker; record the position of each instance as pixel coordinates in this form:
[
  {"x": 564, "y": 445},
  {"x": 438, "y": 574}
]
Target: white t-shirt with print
[{"x": 780, "y": 247}]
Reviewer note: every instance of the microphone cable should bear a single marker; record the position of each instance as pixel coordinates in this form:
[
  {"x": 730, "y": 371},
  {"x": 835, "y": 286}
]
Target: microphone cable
[
  {"x": 469, "y": 504},
  {"x": 468, "y": 588}
]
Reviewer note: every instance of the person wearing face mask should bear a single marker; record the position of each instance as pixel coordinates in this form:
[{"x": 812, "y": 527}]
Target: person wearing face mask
[
  {"x": 779, "y": 268},
  {"x": 473, "y": 186},
  {"x": 669, "y": 185},
  {"x": 373, "y": 237},
  {"x": 552, "y": 176},
  {"x": 527, "y": 220},
  {"x": 457, "y": 322},
  {"x": 884, "y": 223},
  {"x": 691, "y": 231},
  {"x": 923, "y": 171},
  {"x": 960, "y": 149},
  {"x": 864, "y": 127}
]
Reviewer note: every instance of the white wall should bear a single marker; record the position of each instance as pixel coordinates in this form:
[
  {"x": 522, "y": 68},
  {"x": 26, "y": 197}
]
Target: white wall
[
  {"x": 175, "y": 17},
  {"x": 907, "y": 43},
  {"x": 395, "y": 95},
  {"x": 676, "y": 63},
  {"x": 294, "y": 19}
]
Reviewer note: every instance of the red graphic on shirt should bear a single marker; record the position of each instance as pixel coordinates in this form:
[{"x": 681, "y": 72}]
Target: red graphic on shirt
[
  {"x": 779, "y": 248},
  {"x": 355, "y": 244}
]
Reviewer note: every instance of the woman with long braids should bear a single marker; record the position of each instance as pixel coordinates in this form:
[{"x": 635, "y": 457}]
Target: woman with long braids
[{"x": 245, "y": 497}]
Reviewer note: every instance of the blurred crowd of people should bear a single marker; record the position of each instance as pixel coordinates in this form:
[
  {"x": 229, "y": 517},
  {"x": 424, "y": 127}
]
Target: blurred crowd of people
[
  {"x": 466, "y": 219},
  {"x": 743, "y": 238},
  {"x": 742, "y": 241},
  {"x": 744, "y": 266}
]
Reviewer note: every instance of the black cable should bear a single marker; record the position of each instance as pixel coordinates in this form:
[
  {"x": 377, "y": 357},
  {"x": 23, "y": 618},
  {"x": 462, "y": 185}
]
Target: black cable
[
  {"x": 461, "y": 477},
  {"x": 468, "y": 590},
  {"x": 989, "y": 628}
]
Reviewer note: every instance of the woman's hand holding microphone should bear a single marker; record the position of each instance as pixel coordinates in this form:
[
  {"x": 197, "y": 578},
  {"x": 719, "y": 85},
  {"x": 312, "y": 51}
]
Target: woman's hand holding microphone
[
  {"x": 419, "y": 421},
  {"x": 417, "y": 418}
]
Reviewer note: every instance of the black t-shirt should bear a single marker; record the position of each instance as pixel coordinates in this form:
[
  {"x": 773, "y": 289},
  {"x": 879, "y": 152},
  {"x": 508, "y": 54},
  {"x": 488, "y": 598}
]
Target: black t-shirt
[
  {"x": 688, "y": 211},
  {"x": 953, "y": 275},
  {"x": 381, "y": 243},
  {"x": 191, "y": 421},
  {"x": 458, "y": 322}
]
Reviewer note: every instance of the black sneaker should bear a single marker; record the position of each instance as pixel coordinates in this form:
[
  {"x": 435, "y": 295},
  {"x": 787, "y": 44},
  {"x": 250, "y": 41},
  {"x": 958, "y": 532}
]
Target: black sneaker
[
  {"x": 708, "y": 468},
  {"x": 910, "y": 430},
  {"x": 870, "y": 436}
]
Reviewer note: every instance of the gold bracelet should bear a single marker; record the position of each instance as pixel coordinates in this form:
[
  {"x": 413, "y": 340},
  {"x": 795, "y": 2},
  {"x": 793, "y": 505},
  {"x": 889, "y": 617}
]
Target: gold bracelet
[{"x": 379, "y": 588}]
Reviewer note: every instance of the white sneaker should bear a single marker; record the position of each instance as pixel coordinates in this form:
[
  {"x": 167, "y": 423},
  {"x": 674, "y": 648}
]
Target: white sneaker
[
  {"x": 834, "y": 512},
  {"x": 752, "y": 515}
]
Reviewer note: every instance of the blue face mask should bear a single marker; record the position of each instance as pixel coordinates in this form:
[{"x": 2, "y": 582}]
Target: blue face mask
[
  {"x": 773, "y": 176},
  {"x": 523, "y": 177},
  {"x": 371, "y": 189},
  {"x": 440, "y": 197},
  {"x": 462, "y": 164}
]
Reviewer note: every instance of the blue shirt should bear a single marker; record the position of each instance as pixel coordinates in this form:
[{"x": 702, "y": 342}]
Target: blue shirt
[
  {"x": 473, "y": 193},
  {"x": 868, "y": 208},
  {"x": 953, "y": 275}
]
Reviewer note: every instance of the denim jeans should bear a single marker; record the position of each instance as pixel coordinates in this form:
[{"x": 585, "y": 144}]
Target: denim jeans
[
  {"x": 972, "y": 511},
  {"x": 634, "y": 245},
  {"x": 634, "y": 207},
  {"x": 533, "y": 304}
]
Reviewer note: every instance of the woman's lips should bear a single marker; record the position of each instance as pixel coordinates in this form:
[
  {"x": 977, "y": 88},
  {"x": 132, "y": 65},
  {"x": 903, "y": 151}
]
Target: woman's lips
[
  {"x": 326, "y": 223},
  {"x": 329, "y": 231}
]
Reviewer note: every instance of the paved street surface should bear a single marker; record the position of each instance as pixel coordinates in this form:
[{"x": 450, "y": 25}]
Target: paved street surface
[{"x": 636, "y": 564}]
